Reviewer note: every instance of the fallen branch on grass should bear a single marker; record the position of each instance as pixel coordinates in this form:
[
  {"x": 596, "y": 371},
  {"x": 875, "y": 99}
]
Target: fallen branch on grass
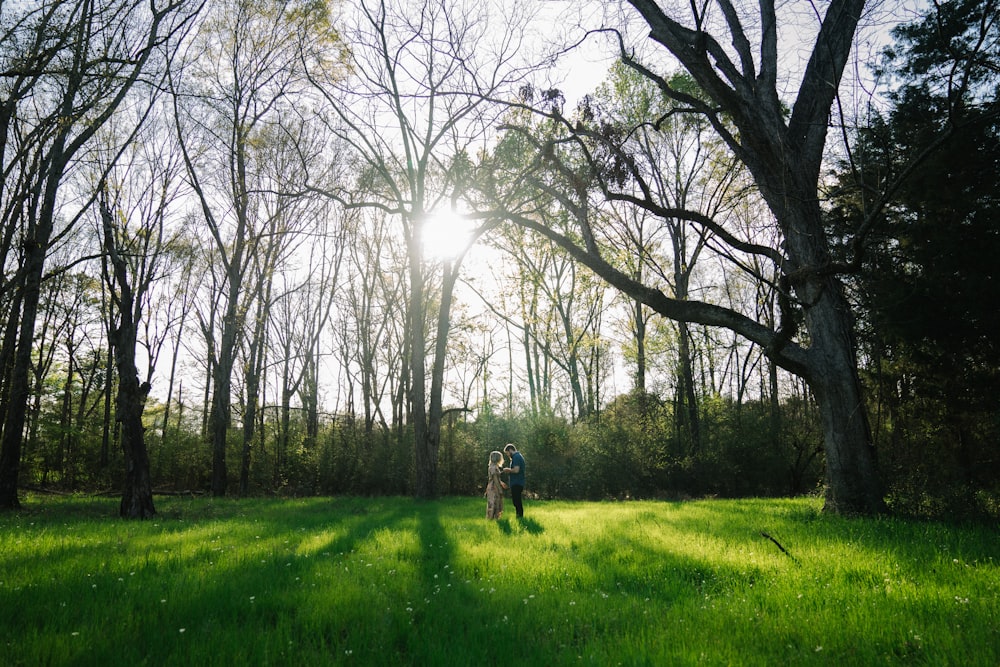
[{"x": 778, "y": 544}]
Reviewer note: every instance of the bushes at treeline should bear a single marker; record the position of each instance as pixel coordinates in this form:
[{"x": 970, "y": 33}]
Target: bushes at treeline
[{"x": 633, "y": 448}]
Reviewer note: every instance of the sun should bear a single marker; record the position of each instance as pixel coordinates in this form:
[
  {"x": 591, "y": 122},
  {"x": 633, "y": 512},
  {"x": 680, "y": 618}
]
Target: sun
[{"x": 444, "y": 235}]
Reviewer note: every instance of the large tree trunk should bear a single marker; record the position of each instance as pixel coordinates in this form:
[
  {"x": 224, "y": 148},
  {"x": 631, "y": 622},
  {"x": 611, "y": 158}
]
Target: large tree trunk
[
  {"x": 18, "y": 387},
  {"x": 436, "y": 411},
  {"x": 253, "y": 379},
  {"x": 36, "y": 245},
  {"x": 790, "y": 188},
  {"x": 424, "y": 449},
  {"x": 220, "y": 418},
  {"x": 852, "y": 482},
  {"x": 689, "y": 421}
]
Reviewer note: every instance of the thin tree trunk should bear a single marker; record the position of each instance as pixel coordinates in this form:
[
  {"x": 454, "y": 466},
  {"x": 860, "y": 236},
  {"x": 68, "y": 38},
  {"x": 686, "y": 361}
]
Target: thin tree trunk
[
  {"x": 639, "y": 332},
  {"x": 688, "y": 416}
]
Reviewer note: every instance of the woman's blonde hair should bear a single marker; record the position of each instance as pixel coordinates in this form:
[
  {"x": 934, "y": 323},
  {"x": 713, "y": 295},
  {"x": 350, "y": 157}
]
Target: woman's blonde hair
[{"x": 496, "y": 457}]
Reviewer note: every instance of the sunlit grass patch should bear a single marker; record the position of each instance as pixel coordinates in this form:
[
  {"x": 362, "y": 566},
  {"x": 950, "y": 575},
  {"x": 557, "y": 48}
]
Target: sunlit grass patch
[{"x": 394, "y": 581}]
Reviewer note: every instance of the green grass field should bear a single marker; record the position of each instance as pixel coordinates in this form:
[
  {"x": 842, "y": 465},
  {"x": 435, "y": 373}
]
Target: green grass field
[{"x": 392, "y": 581}]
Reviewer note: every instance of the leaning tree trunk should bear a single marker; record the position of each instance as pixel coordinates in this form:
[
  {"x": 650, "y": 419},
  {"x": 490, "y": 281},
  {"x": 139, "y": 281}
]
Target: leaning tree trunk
[{"x": 853, "y": 486}]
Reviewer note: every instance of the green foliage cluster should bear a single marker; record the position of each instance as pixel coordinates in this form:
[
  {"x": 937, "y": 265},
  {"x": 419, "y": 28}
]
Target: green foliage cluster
[
  {"x": 391, "y": 581},
  {"x": 927, "y": 280}
]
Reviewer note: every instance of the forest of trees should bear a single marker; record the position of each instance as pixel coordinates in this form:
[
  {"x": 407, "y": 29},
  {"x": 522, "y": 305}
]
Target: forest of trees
[{"x": 298, "y": 247}]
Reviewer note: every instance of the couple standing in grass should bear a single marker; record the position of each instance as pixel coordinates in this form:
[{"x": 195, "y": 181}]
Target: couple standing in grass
[{"x": 495, "y": 485}]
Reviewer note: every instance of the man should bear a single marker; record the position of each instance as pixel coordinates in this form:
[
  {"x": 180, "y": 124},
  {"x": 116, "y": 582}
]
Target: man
[{"x": 516, "y": 479}]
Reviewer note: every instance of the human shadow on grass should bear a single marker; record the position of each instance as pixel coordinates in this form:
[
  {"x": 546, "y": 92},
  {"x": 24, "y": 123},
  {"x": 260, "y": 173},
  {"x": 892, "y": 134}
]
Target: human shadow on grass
[
  {"x": 530, "y": 525},
  {"x": 509, "y": 526}
]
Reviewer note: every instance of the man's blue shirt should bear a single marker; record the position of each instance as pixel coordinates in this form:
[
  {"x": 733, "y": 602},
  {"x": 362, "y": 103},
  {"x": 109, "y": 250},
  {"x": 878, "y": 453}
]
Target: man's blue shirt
[{"x": 517, "y": 461}]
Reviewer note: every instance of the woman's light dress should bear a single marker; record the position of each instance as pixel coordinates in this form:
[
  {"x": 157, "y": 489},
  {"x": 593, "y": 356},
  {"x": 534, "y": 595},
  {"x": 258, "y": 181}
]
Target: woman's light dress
[{"x": 494, "y": 493}]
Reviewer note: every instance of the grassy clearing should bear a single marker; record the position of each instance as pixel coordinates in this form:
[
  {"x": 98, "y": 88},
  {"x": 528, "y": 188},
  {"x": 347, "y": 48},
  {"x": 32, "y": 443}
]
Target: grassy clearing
[{"x": 390, "y": 581}]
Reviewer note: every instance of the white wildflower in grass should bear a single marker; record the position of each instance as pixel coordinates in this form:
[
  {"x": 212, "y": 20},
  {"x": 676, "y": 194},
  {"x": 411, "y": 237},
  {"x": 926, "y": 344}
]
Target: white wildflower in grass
[{"x": 182, "y": 630}]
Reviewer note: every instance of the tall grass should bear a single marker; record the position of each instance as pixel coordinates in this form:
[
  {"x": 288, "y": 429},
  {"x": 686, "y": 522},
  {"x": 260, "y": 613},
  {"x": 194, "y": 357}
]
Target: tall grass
[{"x": 390, "y": 581}]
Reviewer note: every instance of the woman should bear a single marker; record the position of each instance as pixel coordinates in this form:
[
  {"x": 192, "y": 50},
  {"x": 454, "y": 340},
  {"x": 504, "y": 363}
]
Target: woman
[{"x": 494, "y": 487}]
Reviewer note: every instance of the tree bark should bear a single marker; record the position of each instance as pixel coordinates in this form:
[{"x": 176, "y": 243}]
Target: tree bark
[
  {"x": 425, "y": 450},
  {"x": 852, "y": 483},
  {"x": 137, "y": 494}
]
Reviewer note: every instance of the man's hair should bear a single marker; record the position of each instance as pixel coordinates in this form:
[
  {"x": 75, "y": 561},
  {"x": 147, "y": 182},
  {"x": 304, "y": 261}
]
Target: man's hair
[{"x": 510, "y": 447}]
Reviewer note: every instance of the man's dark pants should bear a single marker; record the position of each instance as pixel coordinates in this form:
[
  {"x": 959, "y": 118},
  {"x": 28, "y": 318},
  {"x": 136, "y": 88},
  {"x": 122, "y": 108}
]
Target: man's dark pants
[{"x": 515, "y": 495}]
